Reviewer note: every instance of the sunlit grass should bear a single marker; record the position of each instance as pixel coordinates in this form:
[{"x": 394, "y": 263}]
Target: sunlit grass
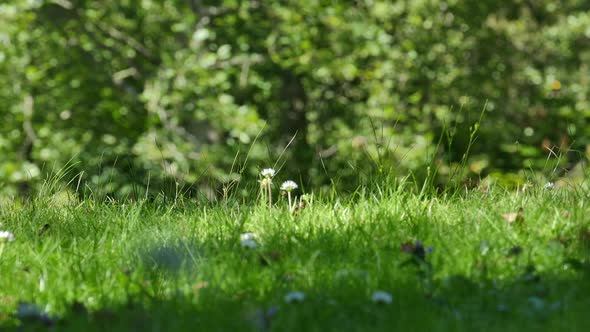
[{"x": 183, "y": 266}]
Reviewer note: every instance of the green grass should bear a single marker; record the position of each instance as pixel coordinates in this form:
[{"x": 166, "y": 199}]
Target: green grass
[{"x": 181, "y": 266}]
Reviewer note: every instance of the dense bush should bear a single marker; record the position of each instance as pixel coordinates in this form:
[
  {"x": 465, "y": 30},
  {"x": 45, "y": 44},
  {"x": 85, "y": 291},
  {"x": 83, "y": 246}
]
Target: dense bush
[{"x": 173, "y": 93}]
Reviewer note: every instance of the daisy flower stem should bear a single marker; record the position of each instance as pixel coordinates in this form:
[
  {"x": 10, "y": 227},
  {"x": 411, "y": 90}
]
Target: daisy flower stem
[
  {"x": 269, "y": 197},
  {"x": 290, "y": 205},
  {"x": 262, "y": 196}
]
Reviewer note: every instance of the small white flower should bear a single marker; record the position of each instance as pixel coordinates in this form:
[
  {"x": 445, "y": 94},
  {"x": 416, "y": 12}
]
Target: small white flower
[
  {"x": 549, "y": 185},
  {"x": 268, "y": 173},
  {"x": 294, "y": 296},
  {"x": 249, "y": 244},
  {"x": 382, "y": 297},
  {"x": 288, "y": 186},
  {"x": 248, "y": 236},
  {"x": 6, "y": 236}
]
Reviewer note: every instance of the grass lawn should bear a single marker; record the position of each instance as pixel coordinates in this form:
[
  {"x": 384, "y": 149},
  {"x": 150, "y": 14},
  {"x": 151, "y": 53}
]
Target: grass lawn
[{"x": 183, "y": 266}]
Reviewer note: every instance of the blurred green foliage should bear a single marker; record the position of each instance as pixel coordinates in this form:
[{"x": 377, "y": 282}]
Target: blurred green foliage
[{"x": 162, "y": 95}]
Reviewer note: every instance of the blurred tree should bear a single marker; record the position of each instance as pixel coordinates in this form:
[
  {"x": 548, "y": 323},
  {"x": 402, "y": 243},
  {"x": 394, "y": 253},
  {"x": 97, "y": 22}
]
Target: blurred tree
[{"x": 168, "y": 95}]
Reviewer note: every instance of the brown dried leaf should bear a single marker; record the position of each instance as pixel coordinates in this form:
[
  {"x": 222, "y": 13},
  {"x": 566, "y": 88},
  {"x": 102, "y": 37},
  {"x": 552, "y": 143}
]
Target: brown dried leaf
[
  {"x": 200, "y": 285},
  {"x": 514, "y": 217},
  {"x": 43, "y": 229}
]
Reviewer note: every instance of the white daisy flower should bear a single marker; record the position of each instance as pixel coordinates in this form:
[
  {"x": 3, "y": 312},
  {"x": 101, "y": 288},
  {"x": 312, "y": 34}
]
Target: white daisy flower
[
  {"x": 288, "y": 186},
  {"x": 382, "y": 297},
  {"x": 247, "y": 236},
  {"x": 6, "y": 236},
  {"x": 268, "y": 173},
  {"x": 294, "y": 296},
  {"x": 549, "y": 185}
]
